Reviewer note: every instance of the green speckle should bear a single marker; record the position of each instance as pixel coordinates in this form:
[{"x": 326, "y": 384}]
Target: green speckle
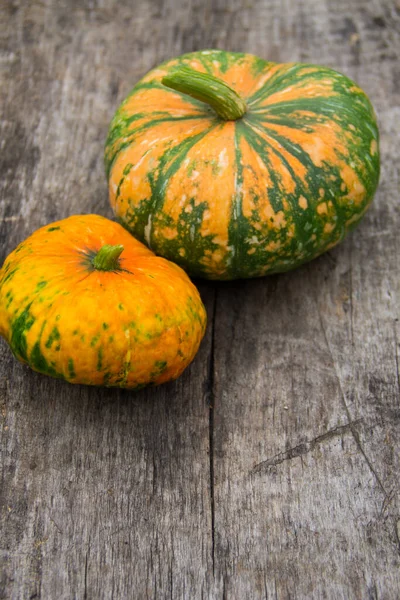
[
  {"x": 127, "y": 168},
  {"x": 75, "y": 332},
  {"x": 10, "y": 298},
  {"x": 39, "y": 362},
  {"x": 121, "y": 306},
  {"x": 105, "y": 326},
  {"x": 19, "y": 327},
  {"x": 10, "y": 275},
  {"x": 106, "y": 378},
  {"x": 71, "y": 370},
  {"x": 159, "y": 368},
  {"x": 94, "y": 340},
  {"x": 53, "y": 228},
  {"x": 58, "y": 317},
  {"x": 57, "y": 348},
  {"x": 111, "y": 339},
  {"x": 161, "y": 365},
  {"x": 40, "y": 285},
  {"x": 191, "y": 168},
  {"x": 189, "y": 237},
  {"x": 53, "y": 337},
  {"x": 99, "y": 359}
]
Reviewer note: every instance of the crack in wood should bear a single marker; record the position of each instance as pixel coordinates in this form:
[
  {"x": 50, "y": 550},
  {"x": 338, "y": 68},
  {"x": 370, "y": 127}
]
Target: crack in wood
[
  {"x": 354, "y": 432},
  {"x": 85, "y": 595},
  {"x": 303, "y": 448},
  {"x": 55, "y": 525},
  {"x": 396, "y": 354}
]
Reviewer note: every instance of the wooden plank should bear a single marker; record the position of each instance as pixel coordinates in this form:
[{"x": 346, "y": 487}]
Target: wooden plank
[
  {"x": 109, "y": 494},
  {"x": 306, "y": 397},
  {"x": 104, "y": 493}
]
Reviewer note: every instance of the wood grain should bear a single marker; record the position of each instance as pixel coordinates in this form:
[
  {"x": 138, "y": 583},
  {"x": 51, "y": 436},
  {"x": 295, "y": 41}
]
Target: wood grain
[{"x": 270, "y": 469}]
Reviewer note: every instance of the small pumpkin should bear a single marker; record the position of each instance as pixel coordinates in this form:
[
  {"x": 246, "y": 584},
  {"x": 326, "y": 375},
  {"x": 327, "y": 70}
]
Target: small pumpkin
[
  {"x": 235, "y": 167},
  {"x": 81, "y": 299}
]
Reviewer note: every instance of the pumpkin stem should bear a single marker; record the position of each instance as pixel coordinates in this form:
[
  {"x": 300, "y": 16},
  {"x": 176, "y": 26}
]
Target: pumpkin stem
[
  {"x": 209, "y": 89},
  {"x": 107, "y": 258}
]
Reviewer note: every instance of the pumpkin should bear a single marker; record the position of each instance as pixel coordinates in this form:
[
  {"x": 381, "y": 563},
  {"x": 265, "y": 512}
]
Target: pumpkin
[
  {"x": 236, "y": 167},
  {"x": 82, "y": 300}
]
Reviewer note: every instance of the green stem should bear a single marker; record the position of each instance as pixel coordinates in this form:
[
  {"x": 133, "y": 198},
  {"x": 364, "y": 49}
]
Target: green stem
[
  {"x": 209, "y": 89},
  {"x": 107, "y": 258}
]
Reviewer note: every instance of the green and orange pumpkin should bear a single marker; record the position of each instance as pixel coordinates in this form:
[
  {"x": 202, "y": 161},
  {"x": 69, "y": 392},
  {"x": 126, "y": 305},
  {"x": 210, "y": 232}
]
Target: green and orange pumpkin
[
  {"x": 234, "y": 167},
  {"x": 82, "y": 300}
]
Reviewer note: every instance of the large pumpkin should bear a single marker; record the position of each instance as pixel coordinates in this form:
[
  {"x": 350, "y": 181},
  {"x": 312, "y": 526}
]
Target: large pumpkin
[
  {"x": 81, "y": 299},
  {"x": 233, "y": 166}
]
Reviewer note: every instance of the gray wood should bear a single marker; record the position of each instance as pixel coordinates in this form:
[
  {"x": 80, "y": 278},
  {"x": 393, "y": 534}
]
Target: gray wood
[{"x": 270, "y": 469}]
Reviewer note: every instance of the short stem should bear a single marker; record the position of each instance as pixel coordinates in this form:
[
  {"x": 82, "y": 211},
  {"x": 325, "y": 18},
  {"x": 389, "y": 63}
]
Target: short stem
[
  {"x": 107, "y": 258},
  {"x": 209, "y": 89}
]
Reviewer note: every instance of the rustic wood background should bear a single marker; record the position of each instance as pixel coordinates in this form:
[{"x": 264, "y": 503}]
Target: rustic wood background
[{"x": 270, "y": 469}]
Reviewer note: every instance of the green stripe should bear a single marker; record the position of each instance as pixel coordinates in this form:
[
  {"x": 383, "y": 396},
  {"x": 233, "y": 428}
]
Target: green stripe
[
  {"x": 238, "y": 225},
  {"x": 121, "y": 135},
  {"x": 316, "y": 178},
  {"x": 333, "y": 107},
  {"x": 207, "y": 58},
  {"x": 137, "y": 218},
  {"x": 283, "y": 78},
  {"x": 296, "y": 76},
  {"x": 176, "y": 155},
  {"x": 300, "y": 216},
  {"x": 258, "y": 144}
]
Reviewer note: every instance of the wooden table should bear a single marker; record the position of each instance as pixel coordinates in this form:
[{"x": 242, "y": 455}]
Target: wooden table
[{"x": 270, "y": 469}]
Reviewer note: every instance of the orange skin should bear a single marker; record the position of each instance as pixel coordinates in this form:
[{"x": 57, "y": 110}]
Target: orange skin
[{"x": 141, "y": 324}]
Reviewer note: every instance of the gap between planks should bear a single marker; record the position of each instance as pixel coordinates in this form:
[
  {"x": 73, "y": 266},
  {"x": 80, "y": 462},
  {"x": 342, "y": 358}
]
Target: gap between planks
[{"x": 211, "y": 401}]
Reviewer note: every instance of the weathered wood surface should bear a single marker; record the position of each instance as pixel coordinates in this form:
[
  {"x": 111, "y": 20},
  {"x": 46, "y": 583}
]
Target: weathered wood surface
[{"x": 271, "y": 468}]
